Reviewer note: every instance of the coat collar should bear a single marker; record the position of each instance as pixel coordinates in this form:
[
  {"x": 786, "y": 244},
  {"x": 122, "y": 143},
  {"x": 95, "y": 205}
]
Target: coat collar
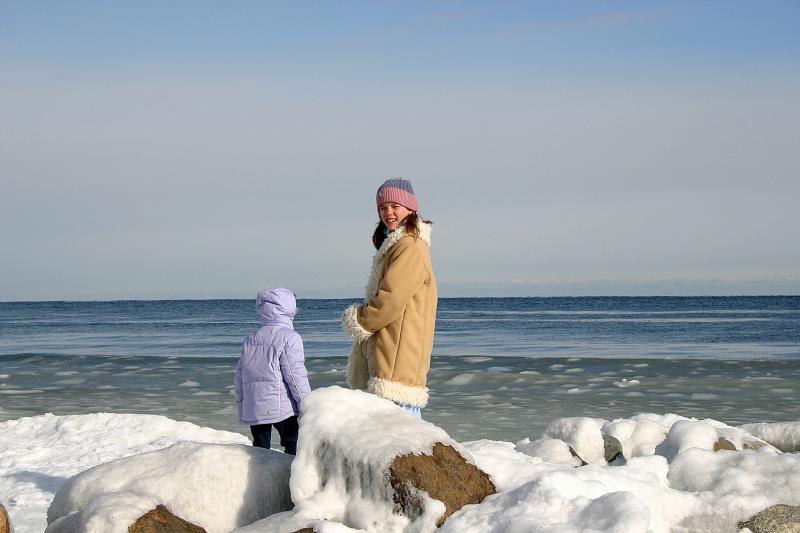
[{"x": 392, "y": 239}]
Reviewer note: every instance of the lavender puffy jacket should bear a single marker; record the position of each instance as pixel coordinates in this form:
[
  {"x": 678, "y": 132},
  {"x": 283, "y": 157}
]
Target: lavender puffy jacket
[{"x": 271, "y": 377}]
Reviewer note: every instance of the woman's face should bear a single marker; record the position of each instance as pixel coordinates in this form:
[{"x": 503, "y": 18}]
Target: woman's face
[{"x": 392, "y": 214}]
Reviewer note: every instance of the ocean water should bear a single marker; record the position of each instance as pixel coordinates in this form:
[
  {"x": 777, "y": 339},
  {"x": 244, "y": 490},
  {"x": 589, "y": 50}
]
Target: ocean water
[{"x": 503, "y": 368}]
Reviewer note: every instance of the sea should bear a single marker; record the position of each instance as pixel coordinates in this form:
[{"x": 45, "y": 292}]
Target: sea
[{"x": 502, "y": 368}]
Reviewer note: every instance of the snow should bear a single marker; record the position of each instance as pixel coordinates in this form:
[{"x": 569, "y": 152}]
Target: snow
[
  {"x": 582, "y": 434},
  {"x": 347, "y": 441},
  {"x": 100, "y": 472},
  {"x": 554, "y": 451},
  {"x": 216, "y": 486},
  {"x": 639, "y": 437},
  {"x": 783, "y": 435},
  {"x": 39, "y": 454}
]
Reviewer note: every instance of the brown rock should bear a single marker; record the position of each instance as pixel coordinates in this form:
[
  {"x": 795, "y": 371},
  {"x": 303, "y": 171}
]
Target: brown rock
[
  {"x": 305, "y": 530},
  {"x": 160, "y": 520},
  {"x": 723, "y": 444},
  {"x": 776, "y": 519},
  {"x": 612, "y": 449},
  {"x": 5, "y": 525},
  {"x": 445, "y": 476}
]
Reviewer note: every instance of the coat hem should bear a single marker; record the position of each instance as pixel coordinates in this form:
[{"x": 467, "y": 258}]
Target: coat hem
[{"x": 398, "y": 392}]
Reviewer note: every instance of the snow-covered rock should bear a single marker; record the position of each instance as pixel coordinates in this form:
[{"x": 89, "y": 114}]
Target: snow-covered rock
[
  {"x": 38, "y": 454},
  {"x": 348, "y": 443},
  {"x": 784, "y": 436},
  {"x": 699, "y": 490},
  {"x": 444, "y": 475},
  {"x": 216, "y": 486},
  {"x": 583, "y": 436}
]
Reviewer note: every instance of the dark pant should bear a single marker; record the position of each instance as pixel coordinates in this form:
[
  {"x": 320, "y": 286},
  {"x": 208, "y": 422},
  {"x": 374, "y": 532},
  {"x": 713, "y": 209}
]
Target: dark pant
[{"x": 287, "y": 429}]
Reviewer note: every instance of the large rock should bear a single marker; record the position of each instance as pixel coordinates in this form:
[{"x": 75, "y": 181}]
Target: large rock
[
  {"x": 5, "y": 525},
  {"x": 776, "y": 519},
  {"x": 785, "y": 436},
  {"x": 160, "y": 520},
  {"x": 612, "y": 449},
  {"x": 445, "y": 475},
  {"x": 366, "y": 463},
  {"x": 216, "y": 486}
]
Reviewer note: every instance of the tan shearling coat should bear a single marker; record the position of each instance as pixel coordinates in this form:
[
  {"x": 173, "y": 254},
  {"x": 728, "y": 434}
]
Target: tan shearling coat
[{"x": 393, "y": 330}]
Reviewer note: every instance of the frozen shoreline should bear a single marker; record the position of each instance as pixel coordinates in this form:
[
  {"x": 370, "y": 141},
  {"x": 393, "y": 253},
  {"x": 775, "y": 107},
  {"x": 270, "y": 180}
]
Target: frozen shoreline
[
  {"x": 679, "y": 483},
  {"x": 472, "y": 397}
]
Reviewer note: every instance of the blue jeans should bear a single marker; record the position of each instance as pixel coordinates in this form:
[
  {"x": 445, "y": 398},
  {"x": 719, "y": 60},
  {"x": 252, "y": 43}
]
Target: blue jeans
[{"x": 413, "y": 409}]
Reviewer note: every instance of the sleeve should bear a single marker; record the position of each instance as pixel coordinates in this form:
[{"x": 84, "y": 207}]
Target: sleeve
[
  {"x": 404, "y": 275},
  {"x": 293, "y": 369},
  {"x": 237, "y": 386}
]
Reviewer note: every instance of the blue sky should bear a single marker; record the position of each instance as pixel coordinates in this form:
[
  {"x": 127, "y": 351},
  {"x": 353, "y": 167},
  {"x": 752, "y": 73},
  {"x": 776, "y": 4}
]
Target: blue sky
[{"x": 207, "y": 149}]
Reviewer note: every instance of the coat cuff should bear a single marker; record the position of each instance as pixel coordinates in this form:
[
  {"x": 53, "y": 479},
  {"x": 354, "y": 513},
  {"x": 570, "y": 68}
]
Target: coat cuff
[
  {"x": 351, "y": 325},
  {"x": 398, "y": 392}
]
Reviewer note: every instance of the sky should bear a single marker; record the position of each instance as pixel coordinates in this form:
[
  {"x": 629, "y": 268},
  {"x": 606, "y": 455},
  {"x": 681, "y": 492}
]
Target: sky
[{"x": 192, "y": 149}]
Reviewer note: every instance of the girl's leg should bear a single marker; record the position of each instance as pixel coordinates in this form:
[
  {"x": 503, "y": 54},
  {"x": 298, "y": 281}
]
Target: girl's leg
[
  {"x": 262, "y": 434},
  {"x": 288, "y": 430}
]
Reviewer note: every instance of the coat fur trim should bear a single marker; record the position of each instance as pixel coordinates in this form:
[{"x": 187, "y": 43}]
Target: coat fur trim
[
  {"x": 377, "y": 260},
  {"x": 398, "y": 392},
  {"x": 351, "y": 325}
]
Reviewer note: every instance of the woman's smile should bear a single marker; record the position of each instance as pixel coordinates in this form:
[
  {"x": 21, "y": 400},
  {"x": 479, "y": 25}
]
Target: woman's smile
[{"x": 392, "y": 214}]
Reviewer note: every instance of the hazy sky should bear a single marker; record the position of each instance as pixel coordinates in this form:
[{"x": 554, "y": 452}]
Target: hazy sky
[{"x": 172, "y": 149}]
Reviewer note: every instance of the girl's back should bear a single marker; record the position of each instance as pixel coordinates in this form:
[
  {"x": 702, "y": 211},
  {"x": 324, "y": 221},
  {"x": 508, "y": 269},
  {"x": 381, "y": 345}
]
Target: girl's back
[{"x": 271, "y": 378}]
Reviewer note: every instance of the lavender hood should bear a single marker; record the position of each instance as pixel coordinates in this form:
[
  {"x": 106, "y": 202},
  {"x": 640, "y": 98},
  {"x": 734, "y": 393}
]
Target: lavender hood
[{"x": 276, "y": 307}]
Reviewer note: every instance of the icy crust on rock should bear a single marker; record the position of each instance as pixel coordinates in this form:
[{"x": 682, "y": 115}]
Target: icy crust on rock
[
  {"x": 785, "y": 436},
  {"x": 216, "y": 486},
  {"x": 347, "y": 442},
  {"x": 369, "y": 429}
]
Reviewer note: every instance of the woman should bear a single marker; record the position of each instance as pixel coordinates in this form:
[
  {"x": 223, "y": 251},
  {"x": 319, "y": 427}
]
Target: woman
[{"x": 393, "y": 329}]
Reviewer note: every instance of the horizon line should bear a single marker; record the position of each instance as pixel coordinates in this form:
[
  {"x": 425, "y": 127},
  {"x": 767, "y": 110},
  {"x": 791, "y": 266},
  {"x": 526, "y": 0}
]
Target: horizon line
[{"x": 113, "y": 300}]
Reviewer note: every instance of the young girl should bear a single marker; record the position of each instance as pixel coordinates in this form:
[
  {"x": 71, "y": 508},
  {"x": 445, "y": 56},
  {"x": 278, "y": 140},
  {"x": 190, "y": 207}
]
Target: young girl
[
  {"x": 271, "y": 377},
  {"x": 393, "y": 329}
]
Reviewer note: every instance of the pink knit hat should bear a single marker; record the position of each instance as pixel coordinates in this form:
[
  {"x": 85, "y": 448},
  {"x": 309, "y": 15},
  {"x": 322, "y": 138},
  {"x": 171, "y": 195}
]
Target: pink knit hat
[{"x": 399, "y": 191}]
